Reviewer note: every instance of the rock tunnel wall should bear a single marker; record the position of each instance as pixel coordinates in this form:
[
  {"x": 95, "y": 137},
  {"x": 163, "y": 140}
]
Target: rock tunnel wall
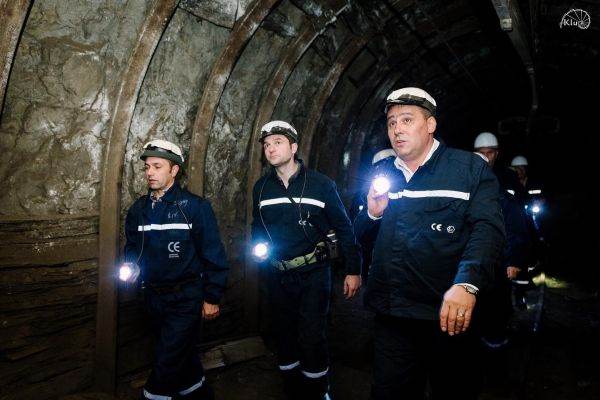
[{"x": 91, "y": 82}]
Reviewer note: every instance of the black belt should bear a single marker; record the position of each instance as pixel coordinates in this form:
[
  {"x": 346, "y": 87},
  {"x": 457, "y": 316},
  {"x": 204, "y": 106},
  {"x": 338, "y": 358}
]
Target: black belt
[{"x": 168, "y": 288}]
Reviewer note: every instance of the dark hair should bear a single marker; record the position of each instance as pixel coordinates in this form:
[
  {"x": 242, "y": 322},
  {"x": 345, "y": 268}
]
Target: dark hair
[
  {"x": 180, "y": 173},
  {"x": 426, "y": 113}
]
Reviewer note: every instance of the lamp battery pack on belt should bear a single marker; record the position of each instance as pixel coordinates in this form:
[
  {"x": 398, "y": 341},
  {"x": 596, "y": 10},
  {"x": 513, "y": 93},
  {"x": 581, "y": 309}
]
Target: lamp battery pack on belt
[
  {"x": 318, "y": 254},
  {"x": 324, "y": 250}
]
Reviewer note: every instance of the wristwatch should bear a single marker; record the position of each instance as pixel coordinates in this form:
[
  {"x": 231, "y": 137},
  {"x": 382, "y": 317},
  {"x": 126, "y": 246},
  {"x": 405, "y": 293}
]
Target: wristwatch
[{"x": 469, "y": 288}]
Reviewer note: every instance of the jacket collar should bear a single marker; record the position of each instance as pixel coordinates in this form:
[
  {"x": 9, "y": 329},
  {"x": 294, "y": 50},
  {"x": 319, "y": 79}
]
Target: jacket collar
[
  {"x": 170, "y": 195},
  {"x": 431, "y": 164},
  {"x": 301, "y": 167}
]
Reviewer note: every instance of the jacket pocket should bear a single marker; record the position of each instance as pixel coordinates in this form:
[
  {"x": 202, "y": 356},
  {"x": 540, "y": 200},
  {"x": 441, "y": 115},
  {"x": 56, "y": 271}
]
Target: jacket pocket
[{"x": 443, "y": 221}]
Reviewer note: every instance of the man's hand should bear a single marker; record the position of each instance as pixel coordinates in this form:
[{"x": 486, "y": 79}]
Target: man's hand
[
  {"x": 210, "y": 311},
  {"x": 377, "y": 202},
  {"x": 456, "y": 310},
  {"x": 351, "y": 285},
  {"x": 512, "y": 272}
]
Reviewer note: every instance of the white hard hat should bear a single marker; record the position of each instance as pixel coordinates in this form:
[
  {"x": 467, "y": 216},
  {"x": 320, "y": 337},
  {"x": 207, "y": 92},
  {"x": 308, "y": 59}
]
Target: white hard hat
[
  {"x": 278, "y": 128},
  {"x": 485, "y": 139},
  {"x": 519, "y": 161},
  {"x": 163, "y": 149},
  {"x": 487, "y": 160},
  {"x": 411, "y": 96},
  {"x": 382, "y": 154}
]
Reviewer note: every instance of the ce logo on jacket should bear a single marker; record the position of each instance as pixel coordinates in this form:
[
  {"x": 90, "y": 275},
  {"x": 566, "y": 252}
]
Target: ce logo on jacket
[
  {"x": 173, "y": 248},
  {"x": 438, "y": 227}
]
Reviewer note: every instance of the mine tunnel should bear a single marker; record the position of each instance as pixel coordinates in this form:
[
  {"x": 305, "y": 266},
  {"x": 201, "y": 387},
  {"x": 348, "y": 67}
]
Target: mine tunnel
[{"x": 85, "y": 84}]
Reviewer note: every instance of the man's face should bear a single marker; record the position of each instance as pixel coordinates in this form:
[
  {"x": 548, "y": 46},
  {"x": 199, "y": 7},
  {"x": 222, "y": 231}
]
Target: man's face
[
  {"x": 159, "y": 173},
  {"x": 491, "y": 153},
  {"x": 410, "y": 133},
  {"x": 521, "y": 171},
  {"x": 279, "y": 150}
]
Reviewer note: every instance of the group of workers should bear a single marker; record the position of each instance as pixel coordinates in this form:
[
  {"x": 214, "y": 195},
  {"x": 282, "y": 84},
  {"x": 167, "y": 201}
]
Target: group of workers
[{"x": 438, "y": 239}]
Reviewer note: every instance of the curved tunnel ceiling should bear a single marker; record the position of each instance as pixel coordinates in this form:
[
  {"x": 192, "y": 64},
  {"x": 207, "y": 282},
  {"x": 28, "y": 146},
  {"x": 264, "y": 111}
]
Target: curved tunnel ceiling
[{"x": 209, "y": 74}]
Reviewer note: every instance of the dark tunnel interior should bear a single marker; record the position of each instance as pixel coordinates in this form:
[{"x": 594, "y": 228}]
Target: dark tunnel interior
[{"x": 84, "y": 84}]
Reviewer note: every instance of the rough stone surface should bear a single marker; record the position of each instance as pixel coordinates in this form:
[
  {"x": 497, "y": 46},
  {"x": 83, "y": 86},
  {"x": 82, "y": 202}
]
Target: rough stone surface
[
  {"x": 220, "y": 12},
  {"x": 170, "y": 93},
  {"x": 326, "y": 136},
  {"x": 58, "y": 104},
  {"x": 328, "y": 44},
  {"x": 233, "y": 126},
  {"x": 298, "y": 94},
  {"x": 306, "y": 80}
]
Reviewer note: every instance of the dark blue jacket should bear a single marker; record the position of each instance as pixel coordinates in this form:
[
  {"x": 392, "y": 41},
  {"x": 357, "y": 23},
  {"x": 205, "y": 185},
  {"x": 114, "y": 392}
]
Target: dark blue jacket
[
  {"x": 443, "y": 227},
  {"x": 177, "y": 247},
  {"x": 517, "y": 252},
  {"x": 321, "y": 207}
]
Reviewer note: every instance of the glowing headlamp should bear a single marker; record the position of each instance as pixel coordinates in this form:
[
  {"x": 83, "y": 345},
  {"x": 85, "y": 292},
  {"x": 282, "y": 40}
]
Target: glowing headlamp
[
  {"x": 381, "y": 184},
  {"x": 536, "y": 209},
  {"x": 260, "y": 250}
]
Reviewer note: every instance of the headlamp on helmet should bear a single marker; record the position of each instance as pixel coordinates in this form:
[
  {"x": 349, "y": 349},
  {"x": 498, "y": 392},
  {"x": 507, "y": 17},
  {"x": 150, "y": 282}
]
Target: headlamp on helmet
[
  {"x": 411, "y": 96},
  {"x": 279, "y": 128},
  {"x": 163, "y": 149}
]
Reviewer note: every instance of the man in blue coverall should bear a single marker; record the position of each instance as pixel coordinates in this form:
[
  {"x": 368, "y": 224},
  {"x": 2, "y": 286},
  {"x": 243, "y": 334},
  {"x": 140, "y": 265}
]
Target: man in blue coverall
[
  {"x": 440, "y": 237},
  {"x": 294, "y": 210},
  {"x": 173, "y": 241}
]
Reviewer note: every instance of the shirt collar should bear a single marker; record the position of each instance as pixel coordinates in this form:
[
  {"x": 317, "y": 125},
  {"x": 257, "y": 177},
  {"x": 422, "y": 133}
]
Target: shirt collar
[
  {"x": 168, "y": 195},
  {"x": 401, "y": 165}
]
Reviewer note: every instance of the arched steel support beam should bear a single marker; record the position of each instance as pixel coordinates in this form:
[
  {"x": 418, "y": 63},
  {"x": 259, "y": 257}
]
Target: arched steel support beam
[
  {"x": 378, "y": 93},
  {"x": 361, "y": 97},
  {"x": 219, "y": 75},
  {"x": 12, "y": 20},
  {"x": 333, "y": 76},
  {"x": 149, "y": 35},
  {"x": 367, "y": 93}
]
